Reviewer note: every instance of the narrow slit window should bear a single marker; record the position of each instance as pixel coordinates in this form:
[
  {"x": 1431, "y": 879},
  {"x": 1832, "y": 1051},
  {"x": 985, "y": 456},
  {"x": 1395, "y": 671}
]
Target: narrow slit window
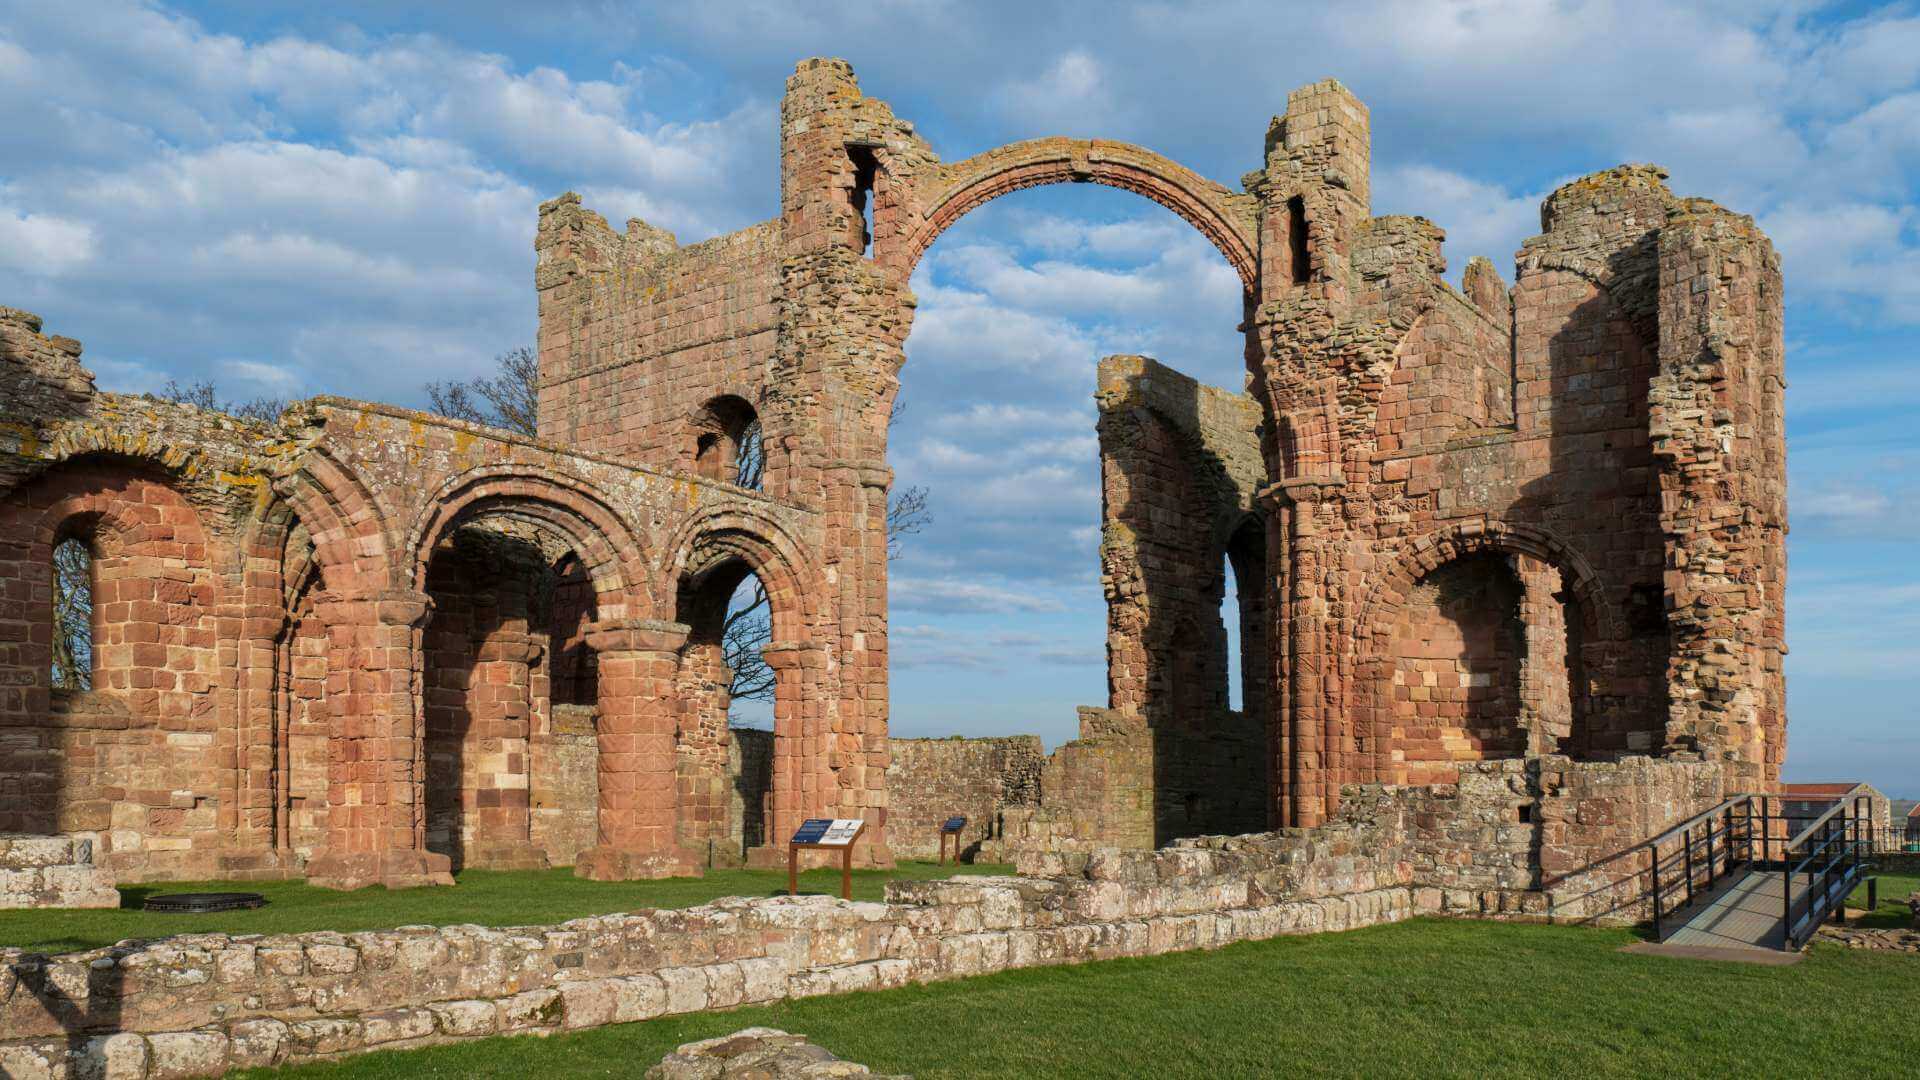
[
  {"x": 72, "y": 615},
  {"x": 866, "y": 169},
  {"x": 1297, "y": 239}
]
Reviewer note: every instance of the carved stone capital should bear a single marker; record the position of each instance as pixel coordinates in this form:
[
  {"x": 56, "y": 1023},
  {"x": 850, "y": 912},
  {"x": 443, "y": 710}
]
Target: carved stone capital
[{"x": 637, "y": 635}]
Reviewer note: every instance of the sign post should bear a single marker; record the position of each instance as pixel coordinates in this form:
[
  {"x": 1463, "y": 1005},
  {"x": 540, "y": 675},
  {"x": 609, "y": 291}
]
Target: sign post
[
  {"x": 951, "y": 827},
  {"x": 825, "y": 833}
]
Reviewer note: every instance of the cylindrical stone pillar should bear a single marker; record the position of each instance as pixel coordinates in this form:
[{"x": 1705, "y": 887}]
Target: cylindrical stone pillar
[
  {"x": 639, "y": 705},
  {"x": 376, "y": 834}
]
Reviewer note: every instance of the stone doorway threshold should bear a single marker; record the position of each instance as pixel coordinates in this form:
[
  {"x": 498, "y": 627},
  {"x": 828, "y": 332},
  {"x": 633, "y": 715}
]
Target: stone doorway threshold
[{"x": 1765, "y": 957}]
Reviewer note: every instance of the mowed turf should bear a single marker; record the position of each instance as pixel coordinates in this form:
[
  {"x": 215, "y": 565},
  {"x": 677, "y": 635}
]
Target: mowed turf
[
  {"x": 505, "y": 898},
  {"x": 1429, "y": 998},
  {"x": 1893, "y": 911}
]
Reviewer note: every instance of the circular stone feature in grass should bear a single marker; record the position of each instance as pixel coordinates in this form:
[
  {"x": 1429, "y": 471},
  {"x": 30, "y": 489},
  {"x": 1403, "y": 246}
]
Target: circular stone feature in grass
[{"x": 183, "y": 903}]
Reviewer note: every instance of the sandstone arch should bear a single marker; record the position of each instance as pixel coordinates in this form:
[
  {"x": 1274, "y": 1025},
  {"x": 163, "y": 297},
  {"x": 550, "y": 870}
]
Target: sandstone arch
[
  {"x": 1223, "y": 217},
  {"x": 1542, "y": 556},
  {"x": 565, "y": 505}
]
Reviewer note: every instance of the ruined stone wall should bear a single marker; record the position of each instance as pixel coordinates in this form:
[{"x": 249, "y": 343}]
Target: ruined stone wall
[
  {"x": 1180, "y": 468},
  {"x": 749, "y": 786},
  {"x": 277, "y": 687},
  {"x": 1549, "y": 837},
  {"x": 203, "y": 1003},
  {"x": 1096, "y": 791},
  {"x": 566, "y": 784},
  {"x": 931, "y": 780},
  {"x": 1417, "y": 425},
  {"x": 53, "y": 871},
  {"x": 637, "y": 333}
]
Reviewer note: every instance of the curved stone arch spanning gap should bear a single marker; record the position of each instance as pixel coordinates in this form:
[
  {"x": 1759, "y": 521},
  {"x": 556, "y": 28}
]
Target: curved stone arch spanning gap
[
  {"x": 567, "y": 505},
  {"x": 974, "y": 181},
  {"x": 343, "y": 520},
  {"x": 1422, "y": 556},
  {"x": 102, "y": 506},
  {"x": 707, "y": 540}
]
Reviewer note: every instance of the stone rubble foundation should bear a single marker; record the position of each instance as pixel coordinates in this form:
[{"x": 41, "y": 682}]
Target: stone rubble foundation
[
  {"x": 53, "y": 872},
  {"x": 756, "y": 1053}
]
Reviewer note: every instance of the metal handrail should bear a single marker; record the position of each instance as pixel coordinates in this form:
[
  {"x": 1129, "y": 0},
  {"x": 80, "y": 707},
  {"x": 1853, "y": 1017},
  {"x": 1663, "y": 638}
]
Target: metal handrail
[
  {"x": 1839, "y": 852},
  {"x": 1701, "y": 816},
  {"x": 1720, "y": 850}
]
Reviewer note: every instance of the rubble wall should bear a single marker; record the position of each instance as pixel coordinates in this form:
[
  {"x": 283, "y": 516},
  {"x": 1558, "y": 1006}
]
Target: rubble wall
[{"x": 931, "y": 780}]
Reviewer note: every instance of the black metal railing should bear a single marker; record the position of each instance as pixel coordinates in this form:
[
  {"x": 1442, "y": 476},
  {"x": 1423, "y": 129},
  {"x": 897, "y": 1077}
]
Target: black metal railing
[
  {"x": 1826, "y": 860},
  {"x": 1689, "y": 861}
]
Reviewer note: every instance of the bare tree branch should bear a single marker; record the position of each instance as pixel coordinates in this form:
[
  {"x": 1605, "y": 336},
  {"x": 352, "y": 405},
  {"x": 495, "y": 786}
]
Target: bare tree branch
[
  {"x": 750, "y": 460},
  {"x": 203, "y": 395},
  {"x": 72, "y": 615},
  {"x": 749, "y": 625},
  {"x": 510, "y": 399}
]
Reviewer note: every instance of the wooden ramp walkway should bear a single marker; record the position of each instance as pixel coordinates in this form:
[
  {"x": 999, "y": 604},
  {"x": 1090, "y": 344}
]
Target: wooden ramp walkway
[{"x": 1748, "y": 915}]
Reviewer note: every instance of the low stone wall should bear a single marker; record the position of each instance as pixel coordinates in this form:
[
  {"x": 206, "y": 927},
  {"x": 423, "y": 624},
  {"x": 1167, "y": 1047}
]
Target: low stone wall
[
  {"x": 1546, "y": 837},
  {"x": 931, "y": 780},
  {"x": 53, "y": 872},
  {"x": 204, "y": 1003},
  {"x": 1897, "y": 863}
]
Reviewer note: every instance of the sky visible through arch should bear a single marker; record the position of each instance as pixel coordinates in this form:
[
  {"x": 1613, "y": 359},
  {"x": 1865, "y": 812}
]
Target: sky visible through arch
[{"x": 292, "y": 199}]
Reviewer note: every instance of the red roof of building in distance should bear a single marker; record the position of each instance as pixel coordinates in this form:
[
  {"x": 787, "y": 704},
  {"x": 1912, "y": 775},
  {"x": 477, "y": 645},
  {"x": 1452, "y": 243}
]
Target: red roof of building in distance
[{"x": 1818, "y": 789}]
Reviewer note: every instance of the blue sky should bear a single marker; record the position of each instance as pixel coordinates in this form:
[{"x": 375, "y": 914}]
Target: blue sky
[{"x": 290, "y": 200}]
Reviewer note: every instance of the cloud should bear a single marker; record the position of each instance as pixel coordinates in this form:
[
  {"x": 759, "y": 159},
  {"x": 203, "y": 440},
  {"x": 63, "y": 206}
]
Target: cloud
[
  {"x": 947, "y": 596},
  {"x": 41, "y": 244}
]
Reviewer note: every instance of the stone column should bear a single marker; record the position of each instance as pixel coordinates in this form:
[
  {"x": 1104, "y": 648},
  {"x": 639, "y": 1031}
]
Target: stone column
[
  {"x": 639, "y": 707},
  {"x": 1315, "y": 734},
  {"x": 376, "y": 834},
  {"x": 495, "y": 766},
  {"x": 801, "y": 774}
]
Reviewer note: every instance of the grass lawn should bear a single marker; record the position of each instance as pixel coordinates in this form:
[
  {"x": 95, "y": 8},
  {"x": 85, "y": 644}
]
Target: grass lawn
[
  {"x": 489, "y": 898},
  {"x": 1893, "y": 912},
  {"x": 1430, "y": 998}
]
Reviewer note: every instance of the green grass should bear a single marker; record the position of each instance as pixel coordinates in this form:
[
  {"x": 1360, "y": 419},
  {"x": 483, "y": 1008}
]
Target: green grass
[
  {"x": 1430, "y": 998},
  {"x": 490, "y": 898},
  {"x": 1893, "y": 912}
]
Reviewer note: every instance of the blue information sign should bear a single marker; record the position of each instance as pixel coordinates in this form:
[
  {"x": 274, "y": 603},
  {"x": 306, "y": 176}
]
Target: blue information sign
[
  {"x": 954, "y": 824},
  {"x": 812, "y": 830}
]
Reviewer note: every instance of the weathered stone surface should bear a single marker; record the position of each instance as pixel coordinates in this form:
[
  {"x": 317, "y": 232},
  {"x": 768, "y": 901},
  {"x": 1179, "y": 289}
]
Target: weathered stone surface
[
  {"x": 756, "y": 1054},
  {"x": 53, "y": 872}
]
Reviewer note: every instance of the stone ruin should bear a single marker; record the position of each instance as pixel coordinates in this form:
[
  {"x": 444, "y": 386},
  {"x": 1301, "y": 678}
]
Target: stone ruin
[{"x": 1509, "y": 556}]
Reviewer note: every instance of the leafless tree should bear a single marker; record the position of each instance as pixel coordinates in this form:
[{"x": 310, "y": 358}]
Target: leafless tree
[
  {"x": 201, "y": 394},
  {"x": 72, "y": 615},
  {"x": 509, "y": 399}
]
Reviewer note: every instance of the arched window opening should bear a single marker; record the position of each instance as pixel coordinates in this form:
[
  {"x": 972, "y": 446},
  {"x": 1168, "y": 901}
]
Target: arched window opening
[
  {"x": 866, "y": 171},
  {"x": 572, "y": 665},
  {"x": 1244, "y": 611},
  {"x": 73, "y": 614},
  {"x": 727, "y": 443},
  {"x": 730, "y": 689}
]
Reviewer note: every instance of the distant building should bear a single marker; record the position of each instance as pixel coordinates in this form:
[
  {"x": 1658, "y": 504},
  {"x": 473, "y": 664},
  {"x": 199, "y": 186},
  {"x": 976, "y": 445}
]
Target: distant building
[{"x": 1804, "y": 803}]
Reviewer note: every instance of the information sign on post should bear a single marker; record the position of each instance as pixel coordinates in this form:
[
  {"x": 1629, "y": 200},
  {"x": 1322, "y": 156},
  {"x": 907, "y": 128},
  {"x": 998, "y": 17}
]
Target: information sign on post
[
  {"x": 951, "y": 827},
  {"x": 825, "y": 833}
]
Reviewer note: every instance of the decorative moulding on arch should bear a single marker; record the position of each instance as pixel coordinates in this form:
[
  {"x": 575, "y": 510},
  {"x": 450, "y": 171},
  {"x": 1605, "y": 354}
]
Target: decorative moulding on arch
[
  {"x": 972, "y": 182},
  {"x": 569, "y": 504},
  {"x": 1424, "y": 554}
]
